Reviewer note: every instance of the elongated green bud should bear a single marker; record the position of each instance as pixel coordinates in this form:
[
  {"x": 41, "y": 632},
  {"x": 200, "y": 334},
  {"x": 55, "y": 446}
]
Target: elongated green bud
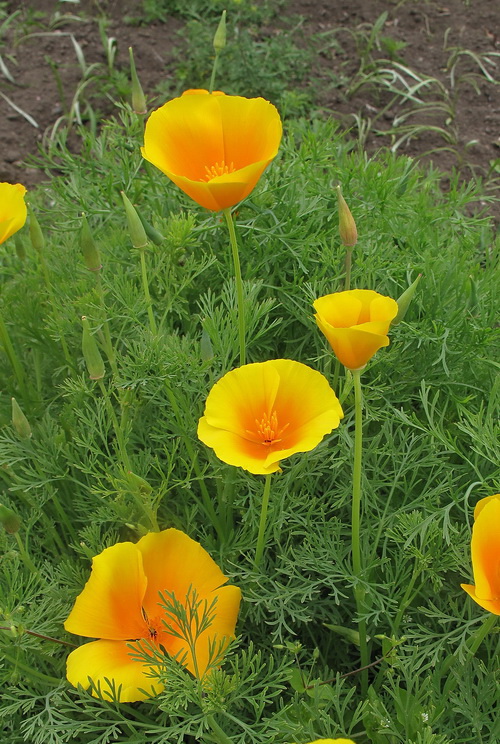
[
  {"x": 91, "y": 353},
  {"x": 9, "y": 519},
  {"x": 20, "y": 250},
  {"x": 206, "y": 349},
  {"x": 220, "y": 34},
  {"x": 153, "y": 234},
  {"x": 36, "y": 234},
  {"x": 90, "y": 251},
  {"x": 347, "y": 226},
  {"x": 138, "y": 484},
  {"x": 135, "y": 227},
  {"x": 138, "y": 97},
  {"x": 405, "y": 300},
  {"x": 20, "y": 422}
]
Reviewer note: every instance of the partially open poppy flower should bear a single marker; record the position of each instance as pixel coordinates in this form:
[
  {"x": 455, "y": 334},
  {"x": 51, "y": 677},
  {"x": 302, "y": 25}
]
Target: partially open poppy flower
[
  {"x": 121, "y": 605},
  {"x": 356, "y": 323},
  {"x": 258, "y": 414},
  {"x": 13, "y": 210},
  {"x": 485, "y": 553},
  {"x": 214, "y": 147}
]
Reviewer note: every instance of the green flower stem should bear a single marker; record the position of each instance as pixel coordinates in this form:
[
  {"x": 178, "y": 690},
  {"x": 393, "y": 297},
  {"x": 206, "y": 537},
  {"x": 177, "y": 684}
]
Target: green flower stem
[
  {"x": 31, "y": 672},
  {"x": 13, "y": 359},
  {"x": 473, "y": 644},
  {"x": 239, "y": 284},
  {"x": 259, "y": 551},
  {"x": 48, "y": 286},
  {"x": 220, "y": 736},
  {"x": 356, "y": 522},
  {"x": 108, "y": 343},
  {"x": 348, "y": 265},
  {"x": 212, "y": 76},
  {"x": 145, "y": 285},
  {"x": 24, "y": 555}
]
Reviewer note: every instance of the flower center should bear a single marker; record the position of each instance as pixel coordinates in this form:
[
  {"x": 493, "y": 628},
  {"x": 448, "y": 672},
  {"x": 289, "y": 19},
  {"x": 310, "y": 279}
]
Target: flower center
[
  {"x": 217, "y": 169},
  {"x": 267, "y": 429},
  {"x": 154, "y": 626}
]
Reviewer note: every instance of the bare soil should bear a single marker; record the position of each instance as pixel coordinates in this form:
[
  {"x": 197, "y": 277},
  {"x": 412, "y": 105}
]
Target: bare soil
[{"x": 38, "y": 48}]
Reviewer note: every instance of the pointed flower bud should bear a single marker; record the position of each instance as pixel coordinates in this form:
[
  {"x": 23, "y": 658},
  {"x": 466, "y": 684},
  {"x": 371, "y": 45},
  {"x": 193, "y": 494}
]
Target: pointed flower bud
[
  {"x": 91, "y": 353},
  {"x": 9, "y": 519},
  {"x": 153, "y": 234},
  {"x": 36, "y": 234},
  {"x": 135, "y": 226},
  {"x": 90, "y": 251},
  {"x": 138, "y": 97},
  {"x": 138, "y": 484},
  {"x": 20, "y": 422},
  {"x": 206, "y": 349},
  {"x": 220, "y": 34},
  {"x": 20, "y": 250},
  {"x": 405, "y": 300},
  {"x": 347, "y": 226}
]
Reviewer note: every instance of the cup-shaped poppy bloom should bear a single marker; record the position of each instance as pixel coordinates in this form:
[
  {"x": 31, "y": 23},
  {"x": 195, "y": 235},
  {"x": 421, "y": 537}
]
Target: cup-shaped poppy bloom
[
  {"x": 258, "y": 414},
  {"x": 13, "y": 210},
  {"x": 123, "y": 605},
  {"x": 214, "y": 147},
  {"x": 485, "y": 553},
  {"x": 356, "y": 323}
]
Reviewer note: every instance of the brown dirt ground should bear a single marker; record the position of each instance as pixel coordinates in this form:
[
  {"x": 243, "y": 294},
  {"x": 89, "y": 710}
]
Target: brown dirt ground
[{"x": 428, "y": 28}]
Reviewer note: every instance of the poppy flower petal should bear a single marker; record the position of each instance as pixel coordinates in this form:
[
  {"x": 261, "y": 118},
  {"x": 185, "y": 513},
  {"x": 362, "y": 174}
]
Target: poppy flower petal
[
  {"x": 352, "y": 346},
  {"x": 238, "y": 451},
  {"x": 219, "y": 633},
  {"x": 492, "y": 605},
  {"x": 174, "y": 562},
  {"x": 485, "y": 551},
  {"x": 13, "y": 211},
  {"x": 111, "y": 661},
  {"x": 482, "y": 503},
  {"x": 110, "y": 605}
]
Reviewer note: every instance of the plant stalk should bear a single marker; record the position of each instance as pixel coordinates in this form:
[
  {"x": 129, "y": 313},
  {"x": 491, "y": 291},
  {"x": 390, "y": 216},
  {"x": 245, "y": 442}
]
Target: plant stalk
[
  {"x": 239, "y": 284},
  {"x": 259, "y": 550}
]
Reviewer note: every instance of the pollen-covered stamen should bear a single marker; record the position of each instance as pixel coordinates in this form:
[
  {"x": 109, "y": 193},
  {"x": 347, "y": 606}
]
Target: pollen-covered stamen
[
  {"x": 153, "y": 625},
  {"x": 217, "y": 169},
  {"x": 267, "y": 429}
]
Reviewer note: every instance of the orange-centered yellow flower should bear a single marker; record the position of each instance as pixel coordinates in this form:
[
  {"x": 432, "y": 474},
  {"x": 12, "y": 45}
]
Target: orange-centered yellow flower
[
  {"x": 12, "y": 209},
  {"x": 485, "y": 551},
  {"x": 214, "y": 147},
  {"x": 356, "y": 323},
  {"x": 121, "y": 605},
  {"x": 258, "y": 414}
]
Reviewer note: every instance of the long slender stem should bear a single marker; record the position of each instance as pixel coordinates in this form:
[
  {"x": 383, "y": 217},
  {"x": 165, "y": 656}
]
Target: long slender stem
[
  {"x": 24, "y": 555},
  {"x": 239, "y": 284},
  {"x": 13, "y": 359},
  {"x": 356, "y": 522},
  {"x": 145, "y": 285},
  {"x": 259, "y": 551},
  {"x": 214, "y": 70},
  {"x": 110, "y": 352},
  {"x": 348, "y": 265},
  {"x": 219, "y": 734}
]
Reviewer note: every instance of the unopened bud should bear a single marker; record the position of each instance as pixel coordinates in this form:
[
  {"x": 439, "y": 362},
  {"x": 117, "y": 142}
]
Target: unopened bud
[
  {"x": 9, "y": 519},
  {"x": 153, "y": 234},
  {"x": 20, "y": 422},
  {"x": 405, "y": 300},
  {"x": 138, "y": 484},
  {"x": 91, "y": 353},
  {"x": 138, "y": 97},
  {"x": 20, "y": 250},
  {"x": 135, "y": 227},
  {"x": 36, "y": 234},
  {"x": 347, "y": 226},
  {"x": 90, "y": 251},
  {"x": 220, "y": 34},
  {"x": 206, "y": 349}
]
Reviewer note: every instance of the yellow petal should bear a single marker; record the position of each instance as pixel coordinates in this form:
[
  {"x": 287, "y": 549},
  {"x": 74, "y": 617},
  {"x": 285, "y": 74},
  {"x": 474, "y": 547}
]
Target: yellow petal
[
  {"x": 492, "y": 605},
  {"x": 352, "y": 346},
  {"x": 13, "y": 210},
  {"x": 111, "y": 601},
  {"x": 112, "y": 661},
  {"x": 236, "y": 450},
  {"x": 482, "y": 503},
  {"x": 485, "y": 551}
]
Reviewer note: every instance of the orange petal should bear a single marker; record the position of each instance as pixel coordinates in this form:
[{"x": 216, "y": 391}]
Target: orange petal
[
  {"x": 482, "y": 503},
  {"x": 352, "y": 346},
  {"x": 492, "y": 605},
  {"x": 13, "y": 210},
  {"x": 111, "y": 601},
  {"x": 485, "y": 551},
  {"x": 112, "y": 661},
  {"x": 238, "y": 451}
]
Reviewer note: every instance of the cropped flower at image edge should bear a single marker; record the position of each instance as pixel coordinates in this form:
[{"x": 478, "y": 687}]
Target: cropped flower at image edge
[
  {"x": 121, "y": 606},
  {"x": 485, "y": 552},
  {"x": 13, "y": 211}
]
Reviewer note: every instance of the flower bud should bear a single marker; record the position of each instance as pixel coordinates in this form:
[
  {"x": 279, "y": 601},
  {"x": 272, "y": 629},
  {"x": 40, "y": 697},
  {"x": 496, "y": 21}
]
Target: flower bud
[
  {"x": 138, "y": 484},
  {"x": 138, "y": 97},
  {"x": 20, "y": 250},
  {"x": 91, "y": 353},
  {"x": 90, "y": 251},
  {"x": 220, "y": 34},
  {"x": 9, "y": 519},
  {"x": 152, "y": 233},
  {"x": 135, "y": 227},
  {"x": 36, "y": 234},
  {"x": 206, "y": 349},
  {"x": 347, "y": 226},
  {"x": 405, "y": 300},
  {"x": 20, "y": 422}
]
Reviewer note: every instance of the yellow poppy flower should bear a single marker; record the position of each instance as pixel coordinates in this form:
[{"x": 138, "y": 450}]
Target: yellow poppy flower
[
  {"x": 13, "y": 210},
  {"x": 356, "y": 323},
  {"x": 258, "y": 414},
  {"x": 214, "y": 147},
  {"x": 121, "y": 605},
  {"x": 482, "y": 503},
  {"x": 485, "y": 552}
]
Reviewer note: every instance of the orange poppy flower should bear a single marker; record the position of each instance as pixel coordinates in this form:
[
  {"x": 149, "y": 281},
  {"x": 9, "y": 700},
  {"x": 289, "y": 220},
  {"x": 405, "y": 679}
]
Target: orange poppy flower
[
  {"x": 485, "y": 552},
  {"x": 121, "y": 605},
  {"x": 214, "y": 147},
  {"x": 13, "y": 210},
  {"x": 258, "y": 414},
  {"x": 356, "y": 323}
]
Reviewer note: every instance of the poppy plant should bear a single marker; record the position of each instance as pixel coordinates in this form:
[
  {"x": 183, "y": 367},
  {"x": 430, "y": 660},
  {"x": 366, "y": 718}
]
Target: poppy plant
[
  {"x": 355, "y": 323},
  {"x": 212, "y": 146},
  {"x": 124, "y": 605},
  {"x": 258, "y": 414},
  {"x": 485, "y": 553},
  {"x": 13, "y": 210}
]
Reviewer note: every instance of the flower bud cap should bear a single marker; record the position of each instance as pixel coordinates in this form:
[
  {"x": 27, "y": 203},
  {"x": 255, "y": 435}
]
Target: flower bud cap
[
  {"x": 138, "y": 97},
  {"x": 220, "y": 34},
  {"x": 9, "y": 519},
  {"x": 405, "y": 300},
  {"x": 36, "y": 234},
  {"x": 91, "y": 353},
  {"x": 20, "y": 422},
  {"x": 135, "y": 226},
  {"x": 90, "y": 251},
  {"x": 347, "y": 226}
]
